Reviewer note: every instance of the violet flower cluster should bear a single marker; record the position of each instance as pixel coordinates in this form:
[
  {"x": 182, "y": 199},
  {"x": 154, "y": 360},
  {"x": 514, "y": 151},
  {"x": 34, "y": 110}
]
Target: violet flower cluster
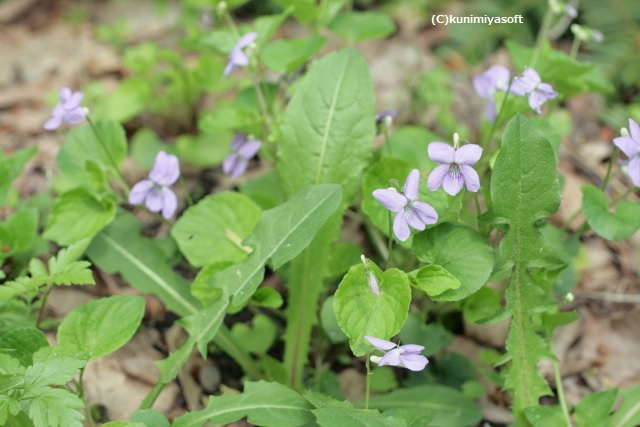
[
  {"x": 406, "y": 356},
  {"x": 68, "y": 109},
  {"x": 486, "y": 84},
  {"x": 629, "y": 144},
  {"x": 242, "y": 150},
  {"x": 155, "y": 192},
  {"x": 531, "y": 86},
  {"x": 238, "y": 58}
]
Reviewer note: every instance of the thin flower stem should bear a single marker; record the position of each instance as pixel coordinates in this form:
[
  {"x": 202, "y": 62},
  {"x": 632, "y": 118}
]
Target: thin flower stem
[
  {"x": 262, "y": 101},
  {"x": 114, "y": 166},
  {"x": 44, "y": 304},
  {"x": 386, "y": 140},
  {"x": 232, "y": 24},
  {"x": 87, "y": 410},
  {"x": 609, "y": 167},
  {"x": 368, "y": 383},
  {"x": 542, "y": 35},
  {"x": 575, "y": 46},
  {"x": 497, "y": 120},
  {"x": 560, "y": 388},
  {"x": 477, "y": 203}
]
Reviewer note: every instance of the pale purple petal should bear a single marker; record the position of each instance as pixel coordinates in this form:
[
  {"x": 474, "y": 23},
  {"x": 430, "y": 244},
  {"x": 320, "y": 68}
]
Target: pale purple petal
[
  {"x": 452, "y": 184},
  {"x": 400, "y": 227},
  {"x": 390, "y": 199},
  {"x": 53, "y": 123},
  {"x": 238, "y": 139},
  {"x": 249, "y": 148},
  {"x": 536, "y": 99},
  {"x": 166, "y": 169},
  {"x": 634, "y": 170},
  {"x": 441, "y": 152},
  {"x": 484, "y": 85},
  {"x": 64, "y": 94},
  {"x": 531, "y": 77},
  {"x": 501, "y": 76},
  {"x": 246, "y": 40},
  {"x": 547, "y": 91},
  {"x": 412, "y": 184},
  {"x": 229, "y": 163},
  {"x": 468, "y": 154},
  {"x": 154, "y": 199},
  {"x": 411, "y": 348},
  {"x": 518, "y": 87},
  {"x": 392, "y": 358},
  {"x": 239, "y": 168},
  {"x": 634, "y": 130},
  {"x": 75, "y": 116},
  {"x": 425, "y": 212},
  {"x": 139, "y": 192},
  {"x": 74, "y": 101},
  {"x": 470, "y": 177},
  {"x": 380, "y": 344},
  {"x": 413, "y": 362},
  {"x": 413, "y": 219},
  {"x": 239, "y": 58},
  {"x": 436, "y": 177},
  {"x": 626, "y": 144},
  {"x": 229, "y": 68},
  {"x": 490, "y": 110},
  {"x": 169, "y": 203}
]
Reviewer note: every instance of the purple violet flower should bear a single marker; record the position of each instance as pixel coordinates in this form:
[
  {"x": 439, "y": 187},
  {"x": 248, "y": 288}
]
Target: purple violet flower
[
  {"x": 455, "y": 169},
  {"x": 68, "y": 109},
  {"x": 409, "y": 211},
  {"x": 531, "y": 85},
  {"x": 485, "y": 84},
  {"x": 236, "y": 163},
  {"x": 406, "y": 356},
  {"x": 629, "y": 144},
  {"x": 155, "y": 192},
  {"x": 238, "y": 58}
]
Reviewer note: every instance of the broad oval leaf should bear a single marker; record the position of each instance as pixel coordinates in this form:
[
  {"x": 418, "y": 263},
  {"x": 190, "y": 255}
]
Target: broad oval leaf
[
  {"x": 461, "y": 252},
  {"x": 212, "y": 230},
  {"x": 100, "y": 327},
  {"x": 618, "y": 225},
  {"x": 360, "y": 312}
]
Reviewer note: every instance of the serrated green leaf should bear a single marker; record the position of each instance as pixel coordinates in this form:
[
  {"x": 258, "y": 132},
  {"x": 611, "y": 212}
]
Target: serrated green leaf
[
  {"x": 55, "y": 407},
  {"x": 434, "y": 280},
  {"x": 212, "y": 230},
  {"x": 50, "y": 367},
  {"x": 8, "y": 406},
  {"x": 450, "y": 408},
  {"x": 11, "y": 168},
  {"x": 461, "y": 252},
  {"x": 21, "y": 343},
  {"x": 82, "y": 144},
  {"x": 355, "y": 27},
  {"x": 628, "y": 414},
  {"x": 10, "y": 365},
  {"x": 120, "y": 249},
  {"x": 100, "y": 327},
  {"x": 618, "y": 225},
  {"x": 360, "y": 312},
  {"x": 595, "y": 408},
  {"x": 21, "y": 286},
  {"x": 414, "y": 417},
  {"x": 263, "y": 403},
  {"x": 524, "y": 190},
  {"x": 78, "y": 214}
]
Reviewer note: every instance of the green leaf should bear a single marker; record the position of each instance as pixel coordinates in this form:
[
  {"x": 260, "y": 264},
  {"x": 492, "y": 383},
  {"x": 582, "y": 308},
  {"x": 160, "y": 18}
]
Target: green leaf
[
  {"x": 267, "y": 25},
  {"x": 258, "y": 338},
  {"x": 355, "y": 27},
  {"x": 21, "y": 343},
  {"x": 450, "y": 408},
  {"x": 434, "y": 337},
  {"x": 264, "y": 190},
  {"x": 330, "y": 323},
  {"x": 461, "y": 252},
  {"x": 628, "y": 414},
  {"x": 18, "y": 232},
  {"x": 82, "y": 144},
  {"x": 267, "y": 297},
  {"x": 64, "y": 269},
  {"x": 51, "y": 367},
  {"x": 288, "y": 55},
  {"x": 149, "y": 418},
  {"x": 263, "y": 403},
  {"x": 55, "y": 407},
  {"x": 304, "y": 11},
  {"x": 415, "y": 417},
  {"x": 100, "y": 327},
  {"x": 409, "y": 143},
  {"x": 481, "y": 305},
  {"x": 78, "y": 214},
  {"x": 343, "y": 255},
  {"x": 145, "y": 146},
  {"x": 328, "y": 126},
  {"x": 212, "y": 230},
  {"x": 120, "y": 249},
  {"x": 595, "y": 408},
  {"x": 546, "y": 416},
  {"x": 10, "y": 169},
  {"x": 125, "y": 424},
  {"x": 351, "y": 417},
  {"x": 280, "y": 235},
  {"x": 8, "y": 406},
  {"x": 201, "y": 150},
  {"x": 618, "y": 225},
  {"x": 524, "y": 190},
  {"x": 360, "y": 312},
  {"x": 434, "y": 280}
]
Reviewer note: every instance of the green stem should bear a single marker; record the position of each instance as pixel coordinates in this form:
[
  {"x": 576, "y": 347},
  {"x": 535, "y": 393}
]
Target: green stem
[
  {"x": 147, "y": 403},
  {"x": 81, "y": 395},
  {"x": 114, "y": 167},
  {"x": 497, "y": 120},
  {"x": 575, "y": 46},
  {"x": 232, "y": 24},
  {"x": 614, "y": 154},
  {"x": 368, "y": 383},
  {"x": 560, "y": 388},
  {"x": 44, "y": 304},
  {"x": 542, "y": 35}
]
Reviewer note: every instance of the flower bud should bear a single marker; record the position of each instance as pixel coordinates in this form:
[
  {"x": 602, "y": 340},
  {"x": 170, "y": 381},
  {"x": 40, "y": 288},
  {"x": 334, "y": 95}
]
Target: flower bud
[
  {"x": 375, "y": 359},
  {"x": 624, "y": 132}
]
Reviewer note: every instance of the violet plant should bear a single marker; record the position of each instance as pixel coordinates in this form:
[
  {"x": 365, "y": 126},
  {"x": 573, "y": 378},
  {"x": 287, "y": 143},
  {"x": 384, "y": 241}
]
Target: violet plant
[{"x": 468, "y": 233}]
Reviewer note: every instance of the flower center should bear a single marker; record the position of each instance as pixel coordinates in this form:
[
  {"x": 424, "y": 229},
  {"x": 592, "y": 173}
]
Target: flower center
[{"x": 454, "y": 170}]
